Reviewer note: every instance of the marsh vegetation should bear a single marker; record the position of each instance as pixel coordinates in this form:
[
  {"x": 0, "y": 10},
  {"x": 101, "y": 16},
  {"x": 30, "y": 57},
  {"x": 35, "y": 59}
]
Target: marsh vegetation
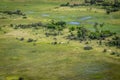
[{"x": 59, "y": 40}]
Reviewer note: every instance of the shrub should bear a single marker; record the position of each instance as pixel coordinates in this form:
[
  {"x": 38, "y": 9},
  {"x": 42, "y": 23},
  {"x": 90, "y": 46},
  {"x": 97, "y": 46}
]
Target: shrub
[
  {"x": 71, "y": 29},
  {"x": 21, "y": 39},
  {"x": 114, "y": 42},
  {"x": 118, "y": 55},
  {"x": 105, "y": 50},
  {"x": 11, "y": 25},
  {"x": 106, "y": 4},
  {"x": 86, "y": 42},
  {"x": 61, "y": 23},
  {"x": 113, "y": 53},
  {"x": 88, "y": 48},
  {"x": 17, "y": 12},
  {"x": 67, "y": 4},
  {"x": 108, "y": 11},
  {"x": 94, "y": 35},
  {"x": 24, "y": 17},
  {"x": 30, "y": 40},
  {"x": 54, "y": 43},
  {"x": 20, "y": 78}
]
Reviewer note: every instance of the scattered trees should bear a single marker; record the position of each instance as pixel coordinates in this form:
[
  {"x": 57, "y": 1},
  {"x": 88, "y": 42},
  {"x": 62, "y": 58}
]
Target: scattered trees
[
  {"x": 23, "y": 26},
  {"x": 81, "y": 32},
  {"x": 115, "y": 41},
  {"x": 109, "y": 6},
  {"x": 17, "y": 12},
  {"x": 66, "y": 4},
  {"x": 55, "y": 27},
  {"x": 71, "y": 29}
]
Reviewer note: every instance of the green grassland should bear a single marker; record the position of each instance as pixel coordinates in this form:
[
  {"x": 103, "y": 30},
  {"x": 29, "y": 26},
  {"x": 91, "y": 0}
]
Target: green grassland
[{"x": 43, "y": 61}]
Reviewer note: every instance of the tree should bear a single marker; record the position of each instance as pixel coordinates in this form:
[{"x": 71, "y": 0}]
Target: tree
[
  {"x": 108, "y": 11},
  {"x": 60, "y": 26},
  {"x": 81, "y": 32},
  {"x": 61, "y": 23},
  {"x": 86, "y": 1},
  {"x": 71, "y": 29},
  {"x": 101, "y": 25},
  {"x": 51, "y": 26},
  {"x": 20, "y": 78},
  {"x": 96, "y": 27},
  {"x": 92, "y": 2},
  {"x": 115, "y": 1}
]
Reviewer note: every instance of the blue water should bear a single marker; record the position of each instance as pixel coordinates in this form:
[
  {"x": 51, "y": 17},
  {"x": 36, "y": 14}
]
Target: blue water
[
  {"x": 29, "y": 12},
  {"x": 91, "y": 22},
  {"x": 62, "y": 17},
  {"x": 45, "y": 15},
  {"x": 74, "y": 23},
  {"x": 85, "y": 18}
]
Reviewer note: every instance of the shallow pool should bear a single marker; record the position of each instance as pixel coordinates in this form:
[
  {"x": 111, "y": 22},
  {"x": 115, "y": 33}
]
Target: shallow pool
[{"x": 74, "y": 23}]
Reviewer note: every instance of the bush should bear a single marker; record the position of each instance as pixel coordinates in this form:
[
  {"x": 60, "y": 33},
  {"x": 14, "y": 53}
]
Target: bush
[
  {"x": 88, "y": 48},
  {"x": 105, "y": 50},
  {"x": 114, "y": 9},
  {"x": 21, "y": 39},
  {"x": 32, "y": 25},
  {"x": 17, "y": 12},
  {"x": 71, "y": 29},
  {"x": 24, "y": 17},
  {"x": 108, "y": 11},
  {"x": 54, "y": 43},
  {"x": 30, "y": 40},
  {"x": 86, "y": 42},
  {"x": 113, "y": 53},
  {"x": 67, "y": 4},
  {"x": 11, "y": 25},
  {"x": 106, "y": 4},
  {"x": 20, "y": 78},
  {"x": 114, "y": 42},
  {"x": 118, "y": 55},
  {"x": 94, "y": 35},
  {"x": 61, "y": 23}
]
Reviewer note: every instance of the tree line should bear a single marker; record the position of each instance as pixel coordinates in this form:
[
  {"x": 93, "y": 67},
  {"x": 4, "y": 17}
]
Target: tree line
[{"x": 54, "y": 28}]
